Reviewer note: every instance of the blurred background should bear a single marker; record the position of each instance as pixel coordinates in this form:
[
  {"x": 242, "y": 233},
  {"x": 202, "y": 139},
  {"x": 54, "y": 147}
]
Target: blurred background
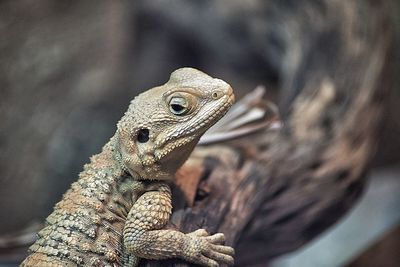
[{"x": 68, "y": 70}]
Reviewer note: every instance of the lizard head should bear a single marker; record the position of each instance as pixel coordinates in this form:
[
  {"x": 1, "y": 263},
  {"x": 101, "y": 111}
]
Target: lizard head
[{"x": 163, "y": 125}]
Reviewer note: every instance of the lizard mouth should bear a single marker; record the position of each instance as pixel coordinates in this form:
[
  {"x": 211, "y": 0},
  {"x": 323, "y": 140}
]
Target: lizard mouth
[
  {"x": 216, "y": 113},
  {"x": 193, "y": 132},
  {"x": 207, "y": 118}
]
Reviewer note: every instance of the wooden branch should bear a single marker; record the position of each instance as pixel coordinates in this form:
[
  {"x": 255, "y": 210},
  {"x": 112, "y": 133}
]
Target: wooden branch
[{"x": 273, "y": 191}]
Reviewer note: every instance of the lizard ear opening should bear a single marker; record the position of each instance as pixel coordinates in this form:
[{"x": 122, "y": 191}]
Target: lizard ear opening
[{"x": 143, "y": 135}]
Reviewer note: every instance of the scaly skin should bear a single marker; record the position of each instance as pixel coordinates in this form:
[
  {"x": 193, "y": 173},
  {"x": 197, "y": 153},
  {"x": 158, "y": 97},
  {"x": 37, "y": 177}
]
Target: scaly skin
[{"x": 114, "y": 214}]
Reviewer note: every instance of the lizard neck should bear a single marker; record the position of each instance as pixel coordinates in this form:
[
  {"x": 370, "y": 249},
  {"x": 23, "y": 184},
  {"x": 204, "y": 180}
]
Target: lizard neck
[
  {"x": 109, "y": 157},
  {"x": 109, "y": 168}
]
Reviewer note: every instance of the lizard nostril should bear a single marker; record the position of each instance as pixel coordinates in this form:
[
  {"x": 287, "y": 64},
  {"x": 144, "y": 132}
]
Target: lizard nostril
[{"x": 216, "y": 95}]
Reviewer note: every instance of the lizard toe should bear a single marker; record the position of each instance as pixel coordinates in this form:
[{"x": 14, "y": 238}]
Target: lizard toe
[
  {"x": 205, "y": 261},
  {"x": 218, "y": 238},
  {"x": 219, "y": 257},
  {"x": 224, "y": 249},
  {"x": 200, "y": 233}
]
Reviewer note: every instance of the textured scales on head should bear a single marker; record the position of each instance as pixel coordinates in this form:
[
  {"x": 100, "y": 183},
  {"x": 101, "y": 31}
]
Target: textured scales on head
[{"x": 168, "y": 117}]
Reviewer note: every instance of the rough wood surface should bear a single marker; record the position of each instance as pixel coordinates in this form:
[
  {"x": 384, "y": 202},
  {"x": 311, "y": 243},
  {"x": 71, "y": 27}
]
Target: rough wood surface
[{"x": 273, "y": 191}]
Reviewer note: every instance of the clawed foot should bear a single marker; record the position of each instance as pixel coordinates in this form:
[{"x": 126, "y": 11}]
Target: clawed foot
[{"x": 208, "y": 250}]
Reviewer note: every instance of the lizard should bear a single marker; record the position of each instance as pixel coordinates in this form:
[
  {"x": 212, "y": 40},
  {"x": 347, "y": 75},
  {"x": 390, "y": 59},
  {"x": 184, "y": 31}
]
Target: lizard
[{"x": 114, "y": 214}]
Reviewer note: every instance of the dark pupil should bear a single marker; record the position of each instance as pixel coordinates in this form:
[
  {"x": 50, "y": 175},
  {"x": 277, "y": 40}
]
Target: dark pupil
[
  {"x": 177, "y": 108},
  {"x": 143, "y": 135}
]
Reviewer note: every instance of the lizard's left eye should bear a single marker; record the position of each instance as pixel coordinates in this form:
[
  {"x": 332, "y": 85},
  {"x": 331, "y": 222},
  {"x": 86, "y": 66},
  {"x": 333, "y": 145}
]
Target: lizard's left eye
[{"x": 178, "y": 106}]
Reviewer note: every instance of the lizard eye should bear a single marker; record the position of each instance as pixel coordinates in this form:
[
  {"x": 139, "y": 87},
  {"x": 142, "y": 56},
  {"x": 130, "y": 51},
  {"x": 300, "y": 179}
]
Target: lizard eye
[
  {"x": 143, "y": 135},
  {"x": 178, "y": 105}
]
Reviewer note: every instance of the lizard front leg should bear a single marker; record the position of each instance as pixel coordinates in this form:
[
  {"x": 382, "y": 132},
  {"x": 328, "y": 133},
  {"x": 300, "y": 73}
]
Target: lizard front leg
[{"x": 143, "y": 239}]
